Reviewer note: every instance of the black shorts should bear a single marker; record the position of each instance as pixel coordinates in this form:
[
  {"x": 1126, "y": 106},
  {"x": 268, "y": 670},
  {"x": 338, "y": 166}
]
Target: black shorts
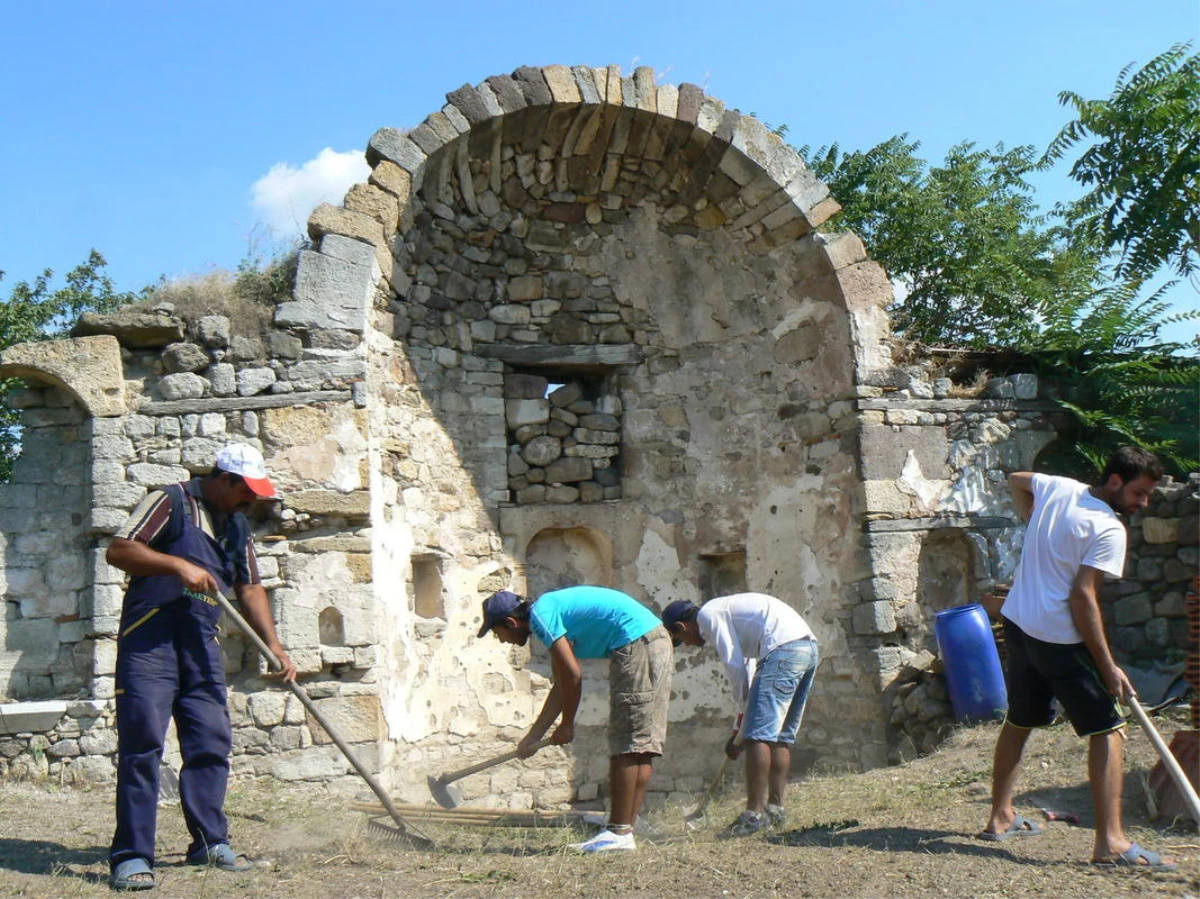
[{"x": 1040, "y": 672}]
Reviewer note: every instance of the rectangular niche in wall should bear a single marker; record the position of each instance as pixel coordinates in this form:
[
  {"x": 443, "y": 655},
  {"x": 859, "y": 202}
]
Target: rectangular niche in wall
[
  {"x": 564, "y": 436},
  {"x": 722, "y": 574},
  {"x": 427, "y": 587}
]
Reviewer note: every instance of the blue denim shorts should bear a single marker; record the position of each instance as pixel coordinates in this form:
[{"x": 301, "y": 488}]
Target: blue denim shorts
[{"x": 780, "y": 691}]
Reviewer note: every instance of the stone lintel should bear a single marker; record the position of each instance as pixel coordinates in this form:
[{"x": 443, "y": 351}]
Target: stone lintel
[
  {"x": 88, "y": 368},
  {"x": 950, "y": 405},
  {"x": 969, "y": 522},
  {"x": 245, "y": 403},
  {"x": 567, "y": 356}
]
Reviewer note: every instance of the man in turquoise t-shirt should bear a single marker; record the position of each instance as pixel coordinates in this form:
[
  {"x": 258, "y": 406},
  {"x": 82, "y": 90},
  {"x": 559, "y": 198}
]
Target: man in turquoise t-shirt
[{"x": 597, "y": 623}]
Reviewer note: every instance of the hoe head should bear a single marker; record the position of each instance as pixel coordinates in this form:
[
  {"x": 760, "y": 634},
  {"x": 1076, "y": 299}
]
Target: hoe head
[{"x": 444, "y": 794}]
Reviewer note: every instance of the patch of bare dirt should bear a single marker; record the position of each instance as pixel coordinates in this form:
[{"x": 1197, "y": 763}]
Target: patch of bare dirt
[{"x": 894, "y": 832}]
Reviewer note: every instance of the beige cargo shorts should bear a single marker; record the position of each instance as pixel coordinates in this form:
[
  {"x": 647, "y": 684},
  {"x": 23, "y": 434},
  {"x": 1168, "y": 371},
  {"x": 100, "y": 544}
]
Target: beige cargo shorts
[{"x": 639, "y": 684}]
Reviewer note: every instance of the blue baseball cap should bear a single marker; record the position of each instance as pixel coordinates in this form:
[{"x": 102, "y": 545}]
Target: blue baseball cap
[
  {"x": 676, "y": 612},
  {"x": 497, "y": 607}
]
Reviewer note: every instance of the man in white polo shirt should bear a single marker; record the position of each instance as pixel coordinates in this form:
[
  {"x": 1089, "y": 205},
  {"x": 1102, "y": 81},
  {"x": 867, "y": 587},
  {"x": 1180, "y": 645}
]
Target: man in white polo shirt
[
  {"x": 770, "y": 657},
  {"x": 1056, "y": 646}
]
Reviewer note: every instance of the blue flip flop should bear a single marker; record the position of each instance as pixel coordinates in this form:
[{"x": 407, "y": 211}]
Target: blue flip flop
[
  {"x": 1020, "y": 827},
  {"x": 1137, "y": 857},
  {"x": 124, "y": 872},
  {"x": 220, "y": 856}
]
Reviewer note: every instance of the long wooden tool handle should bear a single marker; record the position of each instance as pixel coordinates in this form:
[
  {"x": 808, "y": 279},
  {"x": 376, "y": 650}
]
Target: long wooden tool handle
[
  {"x": 306, "y": 700},
  {"x": 1168, "y": 759},
  {"x": 451, "y": 776},
  {"x": 713, "y": 786}
]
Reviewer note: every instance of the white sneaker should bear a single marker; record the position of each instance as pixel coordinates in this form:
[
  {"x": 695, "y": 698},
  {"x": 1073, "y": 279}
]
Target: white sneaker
[{"x": 606, "y": 841}]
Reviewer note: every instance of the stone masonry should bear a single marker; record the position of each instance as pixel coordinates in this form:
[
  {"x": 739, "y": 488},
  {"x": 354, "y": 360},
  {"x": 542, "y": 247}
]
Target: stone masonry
[{"x": 576, "y": 327}]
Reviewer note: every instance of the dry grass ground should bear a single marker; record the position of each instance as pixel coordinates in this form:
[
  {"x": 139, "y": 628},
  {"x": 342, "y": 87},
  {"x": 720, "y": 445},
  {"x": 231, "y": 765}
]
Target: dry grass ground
[{"x": 894, "y": 832}]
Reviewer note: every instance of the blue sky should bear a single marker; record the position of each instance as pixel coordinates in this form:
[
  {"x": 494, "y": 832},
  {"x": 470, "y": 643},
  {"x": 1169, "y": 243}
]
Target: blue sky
[{"x": 175, "y": 137}]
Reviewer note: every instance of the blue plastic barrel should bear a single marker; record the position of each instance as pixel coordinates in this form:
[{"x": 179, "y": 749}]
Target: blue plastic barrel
[{"x": 971, "y": 663}]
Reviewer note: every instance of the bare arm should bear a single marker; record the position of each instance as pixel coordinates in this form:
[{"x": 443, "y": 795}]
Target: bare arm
[
  {"x": 1085, "y": 611},
  {"x": 137, "y": 558},
  {"x": 257, "y": 609},
  {"x": 1020, "y": 483},
  {"x": 563, "y": 699}
]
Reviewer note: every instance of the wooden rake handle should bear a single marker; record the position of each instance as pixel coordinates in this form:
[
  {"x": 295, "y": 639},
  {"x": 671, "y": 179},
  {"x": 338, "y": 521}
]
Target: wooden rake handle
[
  {"x": 306, "y": 700},
  {"x": 451, "y": 776},
  {"x": 1168, "y": 759}
]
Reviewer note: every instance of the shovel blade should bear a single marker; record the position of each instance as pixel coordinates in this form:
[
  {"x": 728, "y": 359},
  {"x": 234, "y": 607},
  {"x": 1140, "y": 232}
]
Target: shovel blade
[{"x": 444, "y": 794}]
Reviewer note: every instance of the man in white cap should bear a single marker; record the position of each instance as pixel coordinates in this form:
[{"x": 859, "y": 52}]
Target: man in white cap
[{"x": 182, "y": 544}]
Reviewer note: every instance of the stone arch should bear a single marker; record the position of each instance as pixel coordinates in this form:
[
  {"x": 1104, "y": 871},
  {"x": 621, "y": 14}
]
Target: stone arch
[
  {"x": 582, "y": 227},
  {"x": 708, "y": 167},
  {"x": 88, "y": 369}
]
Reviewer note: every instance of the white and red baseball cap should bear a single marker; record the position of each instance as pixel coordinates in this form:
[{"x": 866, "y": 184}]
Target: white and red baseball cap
[{"x": 243, "y": 459}]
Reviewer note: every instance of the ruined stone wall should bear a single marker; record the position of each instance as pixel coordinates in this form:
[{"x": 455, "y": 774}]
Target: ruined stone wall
[
  {"x": 1144, "y": 611},
  {"x": 647, "y": 254},
  {"x": 940, "y": 526},
  {"x": 576, "y": 328},
  {"x": 186, "y": 388}
]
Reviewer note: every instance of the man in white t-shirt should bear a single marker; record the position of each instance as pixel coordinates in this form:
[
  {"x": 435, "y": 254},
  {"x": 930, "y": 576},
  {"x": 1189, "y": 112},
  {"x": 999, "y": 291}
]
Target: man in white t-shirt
[
  {"x": 770, "y": 657},
  {"x": 1056, "y": 644}
]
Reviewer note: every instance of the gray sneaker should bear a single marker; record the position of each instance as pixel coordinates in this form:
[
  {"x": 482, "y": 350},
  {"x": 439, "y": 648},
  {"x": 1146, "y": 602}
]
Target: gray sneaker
[
  {"x": 777, "y": 815},
  {"x": 748, "y": 823}
]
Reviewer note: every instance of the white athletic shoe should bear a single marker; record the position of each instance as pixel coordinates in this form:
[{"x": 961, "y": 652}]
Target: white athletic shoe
[{"x": 606, "y": 841}]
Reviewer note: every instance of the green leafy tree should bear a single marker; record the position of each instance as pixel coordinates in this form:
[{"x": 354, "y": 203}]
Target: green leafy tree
[
  {"x": 975, "y": 260},
  {"x": 1120, "y": 381},
  {"x": 1142, "y": 168},
  {"x": 38, "y": 312}
]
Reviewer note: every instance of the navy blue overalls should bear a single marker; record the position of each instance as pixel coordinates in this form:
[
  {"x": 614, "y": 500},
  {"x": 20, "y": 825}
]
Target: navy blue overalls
[{"x": 169, "y": 664}]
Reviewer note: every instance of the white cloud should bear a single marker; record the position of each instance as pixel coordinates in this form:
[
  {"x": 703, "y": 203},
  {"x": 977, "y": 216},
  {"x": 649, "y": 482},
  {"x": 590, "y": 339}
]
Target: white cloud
[{"x": 284, "y": 197}]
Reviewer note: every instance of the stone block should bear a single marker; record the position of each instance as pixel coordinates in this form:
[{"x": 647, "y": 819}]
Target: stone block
[
  {"x": 356, "y": 719},
  {"x": 568, "y": 470},
  {"x": 541, "y": 451},
  {"x": 267, "y": 708},
  {"x": 394, "y": 147},
  {"x": 330, "y": 293},
  {"x": 1160, "y": 530},
  {"x": 200, "y": 452},
  {"x": 510, "y": 315},
  {"x": 142, "y": 476},
  {"x": 252, "y": 381},
  {"x": 873, "y": 618},
  {"x": 524, "y": 387},
  {"x": 518, "y": 413},
  {"x": 110, "y": 449},
  {"x": 1134, "y": 609},
  {"x": 184, "y": 357},
  {"x": 99, "y": 741},
  {"x": 182, "y": 386},
  {"x": 91, "y": 769},
  {"x": 885, "y": 450},
  {"x": 562, "y": 494},
  {"x": 328, "y": 502},
  {"x": 526, "y": 288}
]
